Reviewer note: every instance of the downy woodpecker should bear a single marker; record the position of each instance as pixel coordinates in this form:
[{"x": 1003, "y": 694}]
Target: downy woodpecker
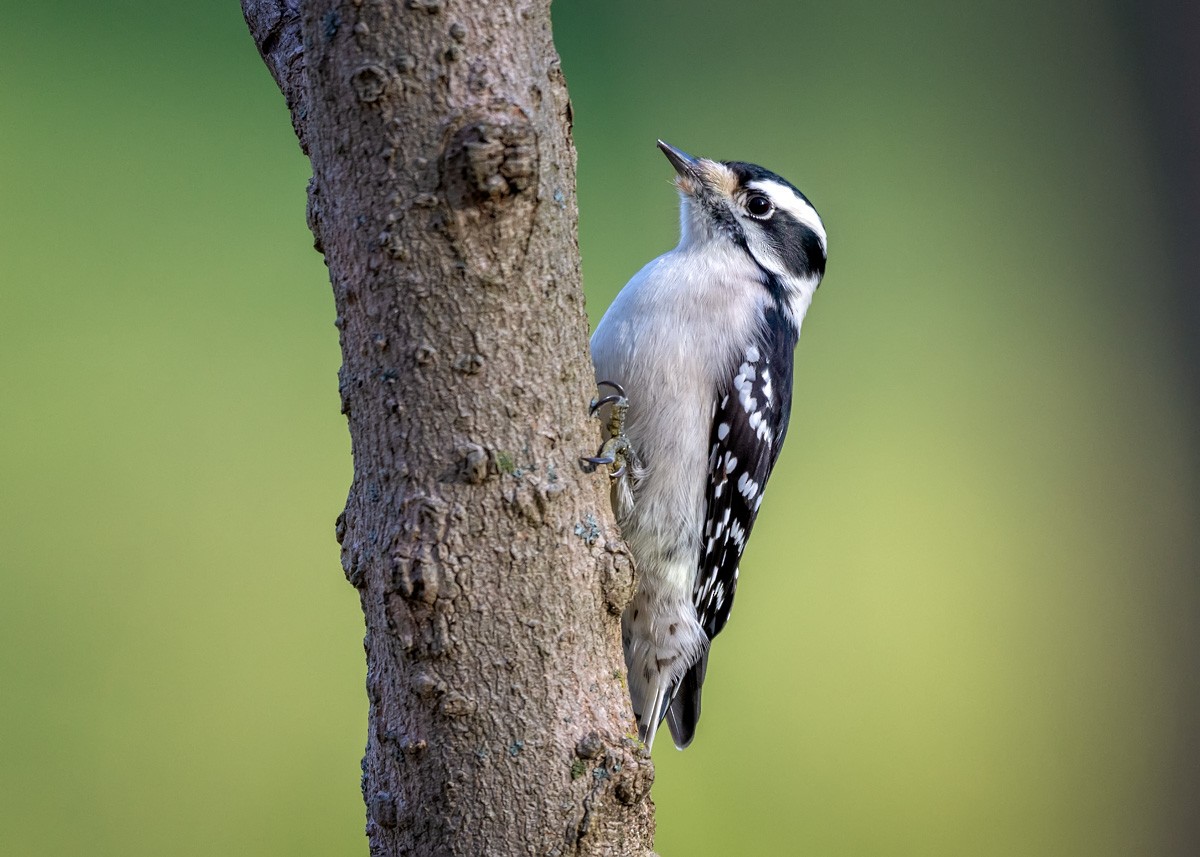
[{"x": 697, "y": 349}]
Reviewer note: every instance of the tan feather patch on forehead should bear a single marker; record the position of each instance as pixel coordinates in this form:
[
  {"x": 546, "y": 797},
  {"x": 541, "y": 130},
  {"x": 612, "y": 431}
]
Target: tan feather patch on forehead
[{"x": 715, "y": 176}]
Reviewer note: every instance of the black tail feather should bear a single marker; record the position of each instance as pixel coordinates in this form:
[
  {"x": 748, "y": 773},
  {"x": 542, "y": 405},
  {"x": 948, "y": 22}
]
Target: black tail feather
[{"x": 683, "y": 712}]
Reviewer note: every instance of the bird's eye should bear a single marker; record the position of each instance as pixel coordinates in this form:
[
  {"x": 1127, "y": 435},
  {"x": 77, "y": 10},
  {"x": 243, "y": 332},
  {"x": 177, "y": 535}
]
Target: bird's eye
[{"x": 759, "y": 206}]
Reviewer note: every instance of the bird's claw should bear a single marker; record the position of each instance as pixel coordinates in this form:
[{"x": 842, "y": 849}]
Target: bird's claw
[
  {"x": 616, "y": 450},
  {"x": 597, "y": 404},
  {"x": 613, "y": 399}
]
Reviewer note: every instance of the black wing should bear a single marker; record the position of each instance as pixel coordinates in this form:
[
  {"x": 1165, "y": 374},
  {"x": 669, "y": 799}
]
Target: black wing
[
  {"x": 749, "y": 426},
  {"x": 750, "y": 420}
]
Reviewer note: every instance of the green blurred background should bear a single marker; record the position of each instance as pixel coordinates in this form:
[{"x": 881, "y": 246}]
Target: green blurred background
[{"x": 968, "y": 620}]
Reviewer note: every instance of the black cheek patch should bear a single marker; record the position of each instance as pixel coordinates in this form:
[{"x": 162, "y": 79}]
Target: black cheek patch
[{"x": 797, "y": 247}]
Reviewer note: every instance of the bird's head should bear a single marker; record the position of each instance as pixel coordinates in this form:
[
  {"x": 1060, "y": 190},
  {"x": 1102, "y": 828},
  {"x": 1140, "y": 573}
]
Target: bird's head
[{"x": 755, "y": 209}]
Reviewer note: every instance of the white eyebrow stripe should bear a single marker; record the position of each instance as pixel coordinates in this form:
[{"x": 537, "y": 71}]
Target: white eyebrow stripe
[{"x": 785, "y": 199}]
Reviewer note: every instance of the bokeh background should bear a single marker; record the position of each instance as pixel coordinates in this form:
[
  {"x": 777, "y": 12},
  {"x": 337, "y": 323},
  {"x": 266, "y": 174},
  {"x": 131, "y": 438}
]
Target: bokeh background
[{"x": 968, "y": 623}]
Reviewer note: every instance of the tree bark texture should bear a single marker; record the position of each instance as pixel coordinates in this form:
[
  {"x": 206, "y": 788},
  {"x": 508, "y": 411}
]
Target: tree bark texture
[{"x": 489, "y": 568}]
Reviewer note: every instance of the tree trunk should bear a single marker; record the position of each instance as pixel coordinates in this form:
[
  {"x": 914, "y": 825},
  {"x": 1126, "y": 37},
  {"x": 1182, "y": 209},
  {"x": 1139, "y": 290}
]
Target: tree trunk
[{"x": 490, "y": 572}]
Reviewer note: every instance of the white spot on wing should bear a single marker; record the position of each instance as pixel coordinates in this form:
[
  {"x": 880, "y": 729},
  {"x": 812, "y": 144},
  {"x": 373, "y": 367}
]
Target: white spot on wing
[{"x": 762, "y": 428}]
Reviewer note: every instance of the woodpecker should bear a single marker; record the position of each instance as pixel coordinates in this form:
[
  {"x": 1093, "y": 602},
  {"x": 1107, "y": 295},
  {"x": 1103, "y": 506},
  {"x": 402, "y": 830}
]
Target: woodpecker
[{"x": 697, "y": 351}]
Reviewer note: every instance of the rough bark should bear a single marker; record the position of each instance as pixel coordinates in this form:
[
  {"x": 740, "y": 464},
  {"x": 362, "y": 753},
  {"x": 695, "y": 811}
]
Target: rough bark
[{"x": 490, "y": 572}]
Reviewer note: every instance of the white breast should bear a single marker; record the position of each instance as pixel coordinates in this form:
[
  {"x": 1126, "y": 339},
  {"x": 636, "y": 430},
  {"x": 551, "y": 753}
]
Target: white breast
[{"x": 673, "y": 334}]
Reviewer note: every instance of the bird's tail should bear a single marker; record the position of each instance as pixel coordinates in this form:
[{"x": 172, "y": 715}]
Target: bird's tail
[
  {"x": 683, "y": 712},
  {"x": 665, "y": 658},
  {"x": 678, "y": 703},
  {"x": 651, "y": 717}
]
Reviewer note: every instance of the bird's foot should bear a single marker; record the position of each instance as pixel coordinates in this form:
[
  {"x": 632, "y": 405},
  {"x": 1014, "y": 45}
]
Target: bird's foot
[{"x": 616, "y": 451}]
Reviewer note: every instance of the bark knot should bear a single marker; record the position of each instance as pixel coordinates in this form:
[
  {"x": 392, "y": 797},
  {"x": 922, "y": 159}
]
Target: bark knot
[
  {"x": 490, "y": 164},
  {"x": 618, "y": 576},
  {"x": 496, "y": 160},
  {"x": 370, "y": 82}
]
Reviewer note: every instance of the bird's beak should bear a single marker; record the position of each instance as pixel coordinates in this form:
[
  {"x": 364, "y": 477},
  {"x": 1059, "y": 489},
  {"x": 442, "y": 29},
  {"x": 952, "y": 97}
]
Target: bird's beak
[{"x": 683, "y": 163}]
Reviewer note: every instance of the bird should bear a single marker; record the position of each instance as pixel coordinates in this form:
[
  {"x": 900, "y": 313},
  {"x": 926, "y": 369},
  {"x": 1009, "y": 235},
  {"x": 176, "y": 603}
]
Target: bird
[{"x": 697, "y": 350}]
